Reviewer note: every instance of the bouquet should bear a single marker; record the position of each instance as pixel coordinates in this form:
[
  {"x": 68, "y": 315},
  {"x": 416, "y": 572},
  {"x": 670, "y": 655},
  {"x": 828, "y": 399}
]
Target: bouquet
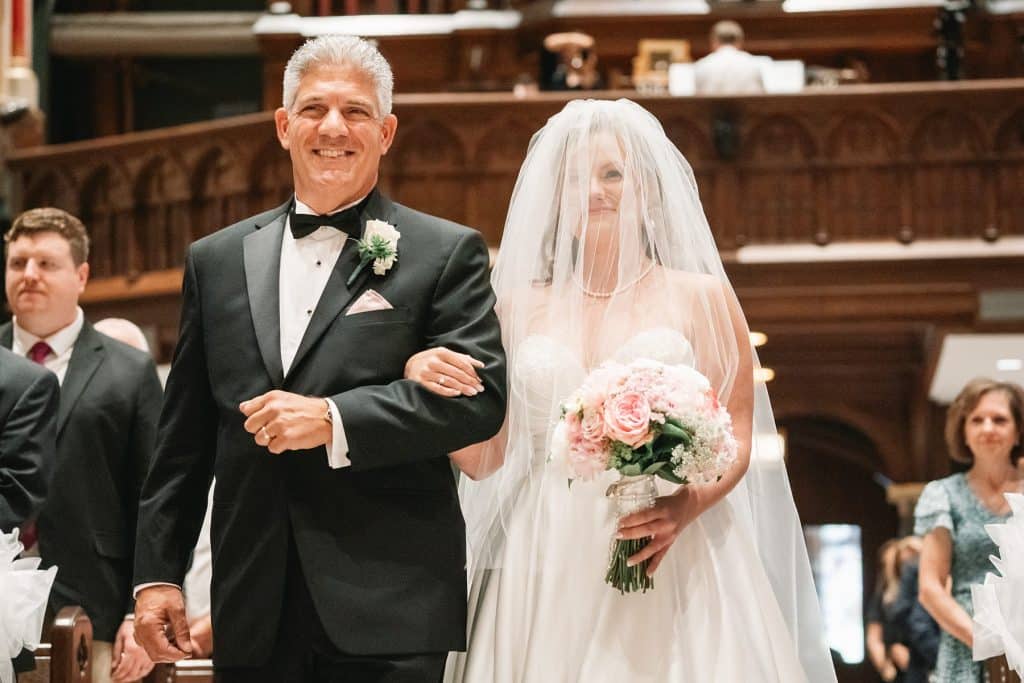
[{"x": 645, "y": 420}]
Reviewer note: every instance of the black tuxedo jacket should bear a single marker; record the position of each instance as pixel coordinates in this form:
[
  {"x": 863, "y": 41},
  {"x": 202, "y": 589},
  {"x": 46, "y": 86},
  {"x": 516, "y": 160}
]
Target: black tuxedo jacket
[
  {"x": 381, "y": 542},
  {"x": 106, "y": 430},
  {"x": 28, "y": 426}
]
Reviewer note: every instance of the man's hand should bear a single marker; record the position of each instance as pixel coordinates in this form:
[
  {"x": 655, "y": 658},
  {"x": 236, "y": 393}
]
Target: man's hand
[
  {"x": 202, "y": 636},
  {"x": 128, "y": 661},
  {"x": 160, "y": 624},
  {"x": 281, "y": 421},
  {"x": 900, "y": 656}
]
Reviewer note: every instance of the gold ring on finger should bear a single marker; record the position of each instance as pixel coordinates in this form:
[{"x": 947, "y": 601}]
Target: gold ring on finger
[{"x": 441, "y": 380}]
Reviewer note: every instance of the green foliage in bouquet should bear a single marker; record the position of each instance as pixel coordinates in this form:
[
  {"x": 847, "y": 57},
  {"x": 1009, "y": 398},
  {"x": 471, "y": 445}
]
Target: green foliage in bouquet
[{"x": 653, "y": 458}]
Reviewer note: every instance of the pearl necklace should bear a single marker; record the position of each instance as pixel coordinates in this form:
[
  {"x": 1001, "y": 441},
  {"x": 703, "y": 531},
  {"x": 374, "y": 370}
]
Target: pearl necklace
[{"x": 617, "y": 290}]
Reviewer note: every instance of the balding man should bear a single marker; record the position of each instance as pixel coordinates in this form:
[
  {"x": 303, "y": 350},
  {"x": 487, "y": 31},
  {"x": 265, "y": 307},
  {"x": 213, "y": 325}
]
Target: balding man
[{"x": 728, "y": 70}]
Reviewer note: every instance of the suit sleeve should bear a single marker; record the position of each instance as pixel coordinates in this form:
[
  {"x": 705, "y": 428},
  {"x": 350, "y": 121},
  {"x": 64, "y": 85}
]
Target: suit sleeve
[
  {"x": 402, "y": 422},
  {"x": 27, "y": 452},
  {"x": 148, "y": 400},
  {"x": 173, "y": 499}
]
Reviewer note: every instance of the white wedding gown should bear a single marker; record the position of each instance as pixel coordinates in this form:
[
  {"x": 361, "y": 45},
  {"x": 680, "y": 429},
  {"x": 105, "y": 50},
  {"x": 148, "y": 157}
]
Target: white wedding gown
[{"x": 545, "y": 615}]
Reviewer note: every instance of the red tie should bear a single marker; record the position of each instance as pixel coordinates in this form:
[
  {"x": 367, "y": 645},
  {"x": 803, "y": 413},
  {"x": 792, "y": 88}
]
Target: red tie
[{"x": 38, "y": 353}]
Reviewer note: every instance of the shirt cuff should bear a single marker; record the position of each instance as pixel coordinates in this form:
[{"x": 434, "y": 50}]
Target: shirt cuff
[
  {"x": 337, "y": 454},
  {"x": 135, "y": 592}
]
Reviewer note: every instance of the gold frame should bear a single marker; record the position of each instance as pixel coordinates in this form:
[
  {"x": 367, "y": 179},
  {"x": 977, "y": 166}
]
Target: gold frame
[{"x": 649, "y": 52}]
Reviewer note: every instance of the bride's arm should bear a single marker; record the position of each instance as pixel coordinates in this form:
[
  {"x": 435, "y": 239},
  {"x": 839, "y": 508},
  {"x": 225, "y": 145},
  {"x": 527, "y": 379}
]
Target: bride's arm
[
  {"x": 449, "y": 373},
  {"x": 481, "y": 460},
  {"x": 671, "y": 514}
]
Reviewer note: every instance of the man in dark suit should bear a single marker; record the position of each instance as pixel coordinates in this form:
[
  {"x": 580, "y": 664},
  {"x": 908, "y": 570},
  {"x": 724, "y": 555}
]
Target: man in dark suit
[
  {"x": 28, "y": 428},
  {"x": 106, "y": 428},
  {"x": 338, "y": 542}
]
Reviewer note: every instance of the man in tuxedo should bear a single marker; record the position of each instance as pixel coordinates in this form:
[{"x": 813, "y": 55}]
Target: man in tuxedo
[
  {"x": 28, "y": 427},
  {"x": 106, "y": 429},
  {"x": 338, "y": 542}
]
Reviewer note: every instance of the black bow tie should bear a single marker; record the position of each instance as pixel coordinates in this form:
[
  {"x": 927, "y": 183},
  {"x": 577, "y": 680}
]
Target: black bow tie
[{"x": 348, "y": 221}]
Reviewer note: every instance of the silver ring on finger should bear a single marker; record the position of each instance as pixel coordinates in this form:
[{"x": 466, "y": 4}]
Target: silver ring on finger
[{"x": 441, "y": 380}]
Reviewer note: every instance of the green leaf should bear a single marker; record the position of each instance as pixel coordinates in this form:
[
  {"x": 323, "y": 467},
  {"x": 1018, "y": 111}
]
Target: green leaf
[
  {"x": 675, "y": 431},
  {"x": 653, "y": 469},
  {"x": 631, "y": 470}
]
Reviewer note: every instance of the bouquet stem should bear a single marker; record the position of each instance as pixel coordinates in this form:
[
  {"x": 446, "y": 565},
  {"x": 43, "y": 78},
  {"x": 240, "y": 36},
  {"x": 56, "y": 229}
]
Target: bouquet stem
[
  {"x": 630, "y": 494},
  {"x": 623, "y": 577}
]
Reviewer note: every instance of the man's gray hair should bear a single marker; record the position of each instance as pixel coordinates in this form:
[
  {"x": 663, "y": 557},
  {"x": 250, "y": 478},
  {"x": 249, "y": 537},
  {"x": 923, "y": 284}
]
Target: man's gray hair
[{"x": 346, "y": 51}]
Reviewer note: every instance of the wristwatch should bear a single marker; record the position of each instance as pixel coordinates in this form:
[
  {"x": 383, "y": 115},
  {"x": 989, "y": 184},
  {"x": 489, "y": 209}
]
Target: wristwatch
[{"x": 328, "y": 416}]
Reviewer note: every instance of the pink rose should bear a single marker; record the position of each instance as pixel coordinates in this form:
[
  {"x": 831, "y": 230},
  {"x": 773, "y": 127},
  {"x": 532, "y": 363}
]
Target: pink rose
[
  {"x": 627, "y": 418},
  {"x": 588, "y": 459},
  {"x": 572, "y": 425},
  {"x": 592, "y": 426}
]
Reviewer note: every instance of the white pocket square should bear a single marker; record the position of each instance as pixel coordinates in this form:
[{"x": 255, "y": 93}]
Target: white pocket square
[{"x": 369, "y": 301}]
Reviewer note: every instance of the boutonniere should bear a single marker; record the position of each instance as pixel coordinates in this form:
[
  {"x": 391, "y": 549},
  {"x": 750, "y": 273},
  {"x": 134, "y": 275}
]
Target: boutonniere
[{"x": 379, "y": 246}]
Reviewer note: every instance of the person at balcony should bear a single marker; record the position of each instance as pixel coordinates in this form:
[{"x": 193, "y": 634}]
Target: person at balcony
[
  {"x": 606, "y": 254},
  {"x": 983, "y": 431},
  {"x": 728, "y": 70},
  {"x": 338, "y": 542},
  {"x": 106, "y": 428}
]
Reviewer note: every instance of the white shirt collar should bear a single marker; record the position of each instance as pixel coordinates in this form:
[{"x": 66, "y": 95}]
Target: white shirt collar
[
  {"x": 304, "y": 208},
  {"x": 60, "y": 341}
]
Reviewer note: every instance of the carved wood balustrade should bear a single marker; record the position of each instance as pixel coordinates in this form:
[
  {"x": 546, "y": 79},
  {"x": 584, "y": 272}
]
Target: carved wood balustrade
[{"x": 887, "y": 162}]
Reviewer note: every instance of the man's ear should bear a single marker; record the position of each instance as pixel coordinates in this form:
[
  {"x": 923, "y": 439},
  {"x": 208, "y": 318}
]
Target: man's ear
[
  {"x": 387, "y": 132},
  {"x": 281, "y": 125},
  {"x": 83, "y": 276}
]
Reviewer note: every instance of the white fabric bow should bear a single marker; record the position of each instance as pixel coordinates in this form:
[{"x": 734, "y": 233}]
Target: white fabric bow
[
  {"x": 999, "y": 602},
  {"x": 24, "y": 591}
]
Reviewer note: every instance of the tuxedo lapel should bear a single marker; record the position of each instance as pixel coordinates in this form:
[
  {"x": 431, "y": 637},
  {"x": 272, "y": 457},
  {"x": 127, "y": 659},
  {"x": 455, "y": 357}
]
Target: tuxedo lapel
[
  {"x": 262, "y": 255},
  {"x": 337, "y": 294},
  {"x": 86, "y": 357}
]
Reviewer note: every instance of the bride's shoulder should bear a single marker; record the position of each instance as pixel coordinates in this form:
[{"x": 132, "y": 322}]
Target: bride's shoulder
[{"x": 682, "y": 281}]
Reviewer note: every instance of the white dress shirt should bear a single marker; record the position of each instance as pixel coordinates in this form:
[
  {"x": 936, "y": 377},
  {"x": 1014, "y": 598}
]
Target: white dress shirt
[
  {"x": 306, "y": 266},
  {"x": 62, "y": 343},
  {"x": 728, "y": 71}
]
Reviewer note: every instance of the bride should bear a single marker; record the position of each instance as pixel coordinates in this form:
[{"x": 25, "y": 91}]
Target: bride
[{"x": 606, "y": 254}]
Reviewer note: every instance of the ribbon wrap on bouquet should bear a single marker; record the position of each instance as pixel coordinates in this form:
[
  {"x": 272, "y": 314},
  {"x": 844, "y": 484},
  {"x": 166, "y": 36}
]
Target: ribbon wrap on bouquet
[
  {"x": 630, "y": 495},
  {"x": 999, "y": 602},
  {"x": 24, "y": 591}
]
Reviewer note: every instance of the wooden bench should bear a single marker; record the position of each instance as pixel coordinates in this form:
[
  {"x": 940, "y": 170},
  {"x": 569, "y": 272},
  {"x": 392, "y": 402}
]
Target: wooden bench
[
  {"x": 1000, "y": 672},
  {"x": 66, "y": 658},
  {"x": 191, "y": 671}
]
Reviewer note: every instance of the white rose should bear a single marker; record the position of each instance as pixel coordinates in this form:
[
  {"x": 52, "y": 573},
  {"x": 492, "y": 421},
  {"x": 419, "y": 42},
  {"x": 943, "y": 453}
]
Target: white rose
[
  {"x": 383, "y": 265},
  {"x": 559, "y": 456},
  {"x": 382, "y": 229}
]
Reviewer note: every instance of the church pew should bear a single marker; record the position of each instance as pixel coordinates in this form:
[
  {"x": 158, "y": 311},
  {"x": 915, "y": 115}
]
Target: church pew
[
  {"x": 189, "y": 671},
  {"x": 999, "y": 671},
  {"x": 66, "y": 658}
]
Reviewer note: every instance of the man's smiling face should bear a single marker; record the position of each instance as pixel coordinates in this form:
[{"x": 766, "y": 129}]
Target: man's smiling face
[{"x": 335, "y": 136}]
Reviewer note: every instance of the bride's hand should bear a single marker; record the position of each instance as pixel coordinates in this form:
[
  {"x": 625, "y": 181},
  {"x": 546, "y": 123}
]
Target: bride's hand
[
  {"x": 663, "y": 523},
  {"x": 445, "y": 372}
]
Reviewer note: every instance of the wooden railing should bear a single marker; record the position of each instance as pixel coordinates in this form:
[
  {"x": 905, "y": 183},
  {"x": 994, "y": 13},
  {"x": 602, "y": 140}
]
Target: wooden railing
[{"x": 891, "y": 163}]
